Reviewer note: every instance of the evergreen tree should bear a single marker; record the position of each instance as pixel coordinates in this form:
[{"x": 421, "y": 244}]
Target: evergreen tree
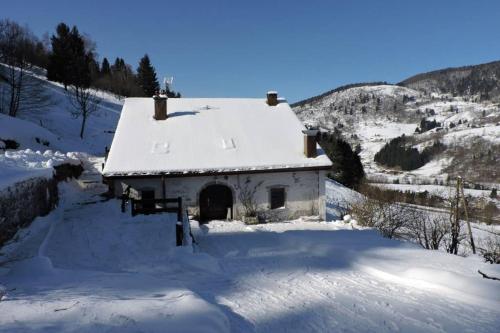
[
  {"x": 80, "y": 61},
  {"x": 146, "y": 77},
  {"x": 118, "y": 66},
  {"x": 105, "y": 68},
  {"x": 493, "y": 193},
  {"x": 59, "y": 59},
  {"x": 69, "y": 62},
  {"x": 347, "y": 168}
]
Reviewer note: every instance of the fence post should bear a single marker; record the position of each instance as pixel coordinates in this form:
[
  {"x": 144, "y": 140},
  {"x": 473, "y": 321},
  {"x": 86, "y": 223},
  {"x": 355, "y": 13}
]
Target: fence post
[
  {"x": 179, "y": 233},
  {"x": 179, "y": 209}
]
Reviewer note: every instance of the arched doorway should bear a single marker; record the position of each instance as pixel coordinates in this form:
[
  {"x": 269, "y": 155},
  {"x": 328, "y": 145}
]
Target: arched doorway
[{"x": 215, "y": 200}]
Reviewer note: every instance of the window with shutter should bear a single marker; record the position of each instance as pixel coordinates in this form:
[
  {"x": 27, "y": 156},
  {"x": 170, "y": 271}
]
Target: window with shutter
[{"x": 277, "y": 197}]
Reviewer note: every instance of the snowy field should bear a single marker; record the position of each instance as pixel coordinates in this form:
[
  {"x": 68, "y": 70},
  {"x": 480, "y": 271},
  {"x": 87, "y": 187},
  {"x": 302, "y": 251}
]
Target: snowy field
[
  {"x": 87, "y": 267},
  {"x": 435, "y": 189}
]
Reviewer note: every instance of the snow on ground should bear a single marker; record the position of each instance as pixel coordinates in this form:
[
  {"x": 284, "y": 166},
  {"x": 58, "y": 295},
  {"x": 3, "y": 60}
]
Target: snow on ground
[
  {"x": 90, "y": 268},
  {"x": 19, "y": 165},
  {"x": 56, "y": 125},
  {"x": 338, "y": 199},
  {"x": 490, "y": 133},
  {"x": 87, "y": 267},
  {"x": 26, "y": 134},
  {"x": 434, "y": 189},
  {"x": 305, "y": 277}
]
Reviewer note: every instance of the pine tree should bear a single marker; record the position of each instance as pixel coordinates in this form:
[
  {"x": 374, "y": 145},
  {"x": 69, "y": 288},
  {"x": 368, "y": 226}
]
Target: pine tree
[
  {"x": 105, "y": 68},
  {"x": 80, "y": 61},
  {"x": 146, "y": 77},
  {"x": 347, "y": 168},
  {"x": 118, "y": 66},
  {"x": 59, "y": 59}
]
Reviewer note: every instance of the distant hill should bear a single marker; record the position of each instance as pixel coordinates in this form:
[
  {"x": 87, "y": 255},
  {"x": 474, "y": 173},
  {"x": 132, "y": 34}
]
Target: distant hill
[
  {"x": 338, "y": 89},
  {"x": 462, "y": 102},
  {"x": 482, "y": 80}
]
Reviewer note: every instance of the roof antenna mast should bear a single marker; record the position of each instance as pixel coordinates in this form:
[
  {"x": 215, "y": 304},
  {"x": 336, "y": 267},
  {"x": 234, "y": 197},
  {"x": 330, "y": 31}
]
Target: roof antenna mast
[{"x": 167, "y": 81}]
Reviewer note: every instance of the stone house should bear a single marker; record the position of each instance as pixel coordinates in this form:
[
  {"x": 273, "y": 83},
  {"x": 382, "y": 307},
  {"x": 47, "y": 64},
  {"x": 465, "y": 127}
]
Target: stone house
[{"x": 225, "y": 157}]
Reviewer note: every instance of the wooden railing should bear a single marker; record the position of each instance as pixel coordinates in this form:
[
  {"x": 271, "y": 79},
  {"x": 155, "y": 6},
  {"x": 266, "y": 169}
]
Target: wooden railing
[{"x": 153, "y": 206}]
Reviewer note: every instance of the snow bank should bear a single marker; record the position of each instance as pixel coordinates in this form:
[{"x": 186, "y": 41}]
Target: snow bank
[
  {"x": 338, "y": 198},
  {"x": 19, "y": 165},
  {"x": 26, "y": 134}
]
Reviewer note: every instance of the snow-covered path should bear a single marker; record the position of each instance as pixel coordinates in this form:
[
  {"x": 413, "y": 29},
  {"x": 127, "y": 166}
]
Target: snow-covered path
[
  {"x": 312, "y": 277},
  {"x": 87, "y": 267}
]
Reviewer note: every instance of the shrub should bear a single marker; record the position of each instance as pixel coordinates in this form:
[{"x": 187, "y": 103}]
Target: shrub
[
  {"x": 490, "y": 249},
  {"x": 388, "y": 218},
  {"x": 9, "y": 144}
]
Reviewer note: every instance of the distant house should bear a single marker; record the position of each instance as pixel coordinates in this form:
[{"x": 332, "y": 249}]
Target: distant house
[{"x": 225, "y": 157}]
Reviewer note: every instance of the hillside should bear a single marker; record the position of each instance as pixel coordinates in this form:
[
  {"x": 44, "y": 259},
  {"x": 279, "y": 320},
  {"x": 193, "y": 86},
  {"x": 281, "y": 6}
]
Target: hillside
[
  {"x": 372, "y": 114},
  {"x": 52, "y": 125},
  {"x": 481, "y": 80}
]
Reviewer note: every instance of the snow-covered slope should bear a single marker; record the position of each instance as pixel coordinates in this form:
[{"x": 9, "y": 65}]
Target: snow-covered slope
[
  {"x": 372, "y": 115},
  {"x": 55, "y": 127}
]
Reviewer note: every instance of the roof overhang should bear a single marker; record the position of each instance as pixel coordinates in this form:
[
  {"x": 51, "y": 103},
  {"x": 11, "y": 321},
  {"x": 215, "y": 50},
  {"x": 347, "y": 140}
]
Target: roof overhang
[{"x": 212, "y": 173}]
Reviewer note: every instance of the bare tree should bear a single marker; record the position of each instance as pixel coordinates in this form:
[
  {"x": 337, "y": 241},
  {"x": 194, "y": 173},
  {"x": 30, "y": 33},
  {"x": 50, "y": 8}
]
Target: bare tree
[
  {"x": 393, "y": 217},
  {"x": 428, "y": 230},
  {"x": 85, "y": 102},
  {"x": 246, "y": 195},
  {"x": 490, "y": 249},
  {"x": 18, "y": 52},
  {"x": 366, "y": 212}
]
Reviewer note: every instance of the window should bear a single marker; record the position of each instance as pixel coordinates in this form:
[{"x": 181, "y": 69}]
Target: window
[{"x": 277, "y": 196}]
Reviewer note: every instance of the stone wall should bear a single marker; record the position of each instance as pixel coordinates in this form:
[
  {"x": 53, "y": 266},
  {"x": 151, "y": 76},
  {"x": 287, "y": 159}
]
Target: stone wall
[
  {"x": 304, "y": 191},
  {"x": 22, "y": 202}
]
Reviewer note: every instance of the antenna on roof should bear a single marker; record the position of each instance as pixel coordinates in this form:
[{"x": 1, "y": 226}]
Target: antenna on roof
[{"x": 167, "y": 81}]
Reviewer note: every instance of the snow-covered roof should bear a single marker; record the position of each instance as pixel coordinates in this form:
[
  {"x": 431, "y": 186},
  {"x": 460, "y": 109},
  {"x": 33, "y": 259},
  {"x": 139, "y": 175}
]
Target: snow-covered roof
[{"x": 208, "y": 135}]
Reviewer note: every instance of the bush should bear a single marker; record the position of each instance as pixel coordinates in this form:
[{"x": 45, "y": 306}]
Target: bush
[
  {"x": 9, "y": 144},
  {"x": 427, "y": 125},
  {"x": 388, "y": 218},
  {"x": 490, "y": 249},
  {"x": 429, "y": 230}
]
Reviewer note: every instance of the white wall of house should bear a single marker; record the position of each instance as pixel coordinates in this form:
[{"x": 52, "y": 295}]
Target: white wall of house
[{"x": 304, "y": 191}]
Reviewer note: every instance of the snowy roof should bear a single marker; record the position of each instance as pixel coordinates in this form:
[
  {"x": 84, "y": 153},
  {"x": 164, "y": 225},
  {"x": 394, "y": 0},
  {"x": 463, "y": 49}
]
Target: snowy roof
[{"x": 208, "y": 135}]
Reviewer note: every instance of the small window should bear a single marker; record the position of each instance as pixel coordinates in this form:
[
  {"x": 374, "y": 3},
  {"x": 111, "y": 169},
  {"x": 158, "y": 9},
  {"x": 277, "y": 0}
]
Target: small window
[{"x": 277, "y": 197}]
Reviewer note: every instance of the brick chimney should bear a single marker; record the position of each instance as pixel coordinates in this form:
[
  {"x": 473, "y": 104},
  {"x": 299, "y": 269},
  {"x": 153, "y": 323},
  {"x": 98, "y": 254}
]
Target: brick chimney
[
  {"x": 272, "y": 98},
  {"x": 310, "y": 143},
  {"x": 160, "y": 107}
]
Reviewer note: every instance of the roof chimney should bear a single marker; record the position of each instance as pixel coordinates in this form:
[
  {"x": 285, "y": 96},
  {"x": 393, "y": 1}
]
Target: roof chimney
[
  {"x": 160, "y": 107},
  {"x": 310, "y": 143},
  {"x": 272, "y": 98}
]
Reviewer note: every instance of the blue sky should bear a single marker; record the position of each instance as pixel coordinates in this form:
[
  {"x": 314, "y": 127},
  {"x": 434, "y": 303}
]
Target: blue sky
[{"x": 300, "y": 48}]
